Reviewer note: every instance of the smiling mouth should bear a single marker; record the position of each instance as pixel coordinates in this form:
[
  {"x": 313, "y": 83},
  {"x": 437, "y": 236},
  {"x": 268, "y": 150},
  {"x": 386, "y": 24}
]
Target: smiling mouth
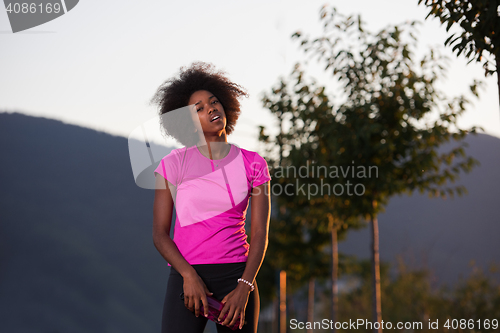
[{"x": 215, "y": 118}]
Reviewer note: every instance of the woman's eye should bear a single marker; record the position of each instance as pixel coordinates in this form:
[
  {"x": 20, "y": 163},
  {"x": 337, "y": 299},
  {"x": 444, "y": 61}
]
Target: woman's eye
[
  {"x": 198, "y": 110},
  {"x": 215, "y": 102}
]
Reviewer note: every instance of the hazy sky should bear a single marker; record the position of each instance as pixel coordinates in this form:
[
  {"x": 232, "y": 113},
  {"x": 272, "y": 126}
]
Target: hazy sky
[{"x": 99, "y": 64}]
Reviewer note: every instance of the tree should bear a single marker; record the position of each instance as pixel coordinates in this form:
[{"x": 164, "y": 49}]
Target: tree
[
  {"x": 480, "y": 23},
  {"x": 293, "y": 247},
  {"x": 305, "y": 111},
  {"x": 393, "y": 118},
  {"x": 410, "y": 298}
]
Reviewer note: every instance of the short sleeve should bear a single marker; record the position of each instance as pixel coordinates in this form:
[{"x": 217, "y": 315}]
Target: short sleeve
[
  {"x": 259, "y": 171},
  {"x": 169, "y": 167}
]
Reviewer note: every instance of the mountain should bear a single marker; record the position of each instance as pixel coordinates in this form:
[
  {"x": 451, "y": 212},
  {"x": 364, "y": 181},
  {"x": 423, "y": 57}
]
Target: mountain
[
  {"x": 444, "y": 235},
  {"x": 76, "y": 251}
]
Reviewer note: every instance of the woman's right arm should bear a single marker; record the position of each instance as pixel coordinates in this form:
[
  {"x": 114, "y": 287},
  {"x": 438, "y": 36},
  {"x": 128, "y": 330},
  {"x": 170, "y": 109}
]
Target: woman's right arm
[{"x": 195, "y": 290}]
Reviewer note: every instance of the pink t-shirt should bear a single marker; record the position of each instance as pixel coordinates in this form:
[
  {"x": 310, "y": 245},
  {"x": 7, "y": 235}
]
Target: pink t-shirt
[{"x": 211, "y": 199}]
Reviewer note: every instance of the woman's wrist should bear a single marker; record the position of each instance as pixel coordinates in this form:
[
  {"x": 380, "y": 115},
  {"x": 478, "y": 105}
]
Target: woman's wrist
[
  {"x": 247, "y": 284},
  {"x": 241, "y": 287},
  {"x": 188, "y": 272}
]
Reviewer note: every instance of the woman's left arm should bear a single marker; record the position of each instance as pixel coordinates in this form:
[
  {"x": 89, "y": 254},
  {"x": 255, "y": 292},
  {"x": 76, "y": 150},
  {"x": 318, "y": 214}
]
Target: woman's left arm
[{"x": 236, "y": 300}]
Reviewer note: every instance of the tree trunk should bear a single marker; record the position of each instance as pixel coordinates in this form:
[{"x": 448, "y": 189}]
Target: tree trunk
[
  {"x": 335, "y": 267},
  {"x": 497, "y": 58},
  {"x": 377, "y": 305},
  {"x": 310, "y": 304},
  {"x": 283, "y": 301}
]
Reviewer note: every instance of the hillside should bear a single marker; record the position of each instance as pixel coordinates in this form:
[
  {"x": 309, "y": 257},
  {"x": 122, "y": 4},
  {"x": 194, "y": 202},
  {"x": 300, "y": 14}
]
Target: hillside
[
  {"x": 444, "y": 235},
  {"x": 75, "y": 233},
  {"x": 76, "y": 253}
]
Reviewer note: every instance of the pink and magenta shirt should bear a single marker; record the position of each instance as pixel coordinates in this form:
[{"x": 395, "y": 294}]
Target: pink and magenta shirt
[{"x": 211, "y": 199}]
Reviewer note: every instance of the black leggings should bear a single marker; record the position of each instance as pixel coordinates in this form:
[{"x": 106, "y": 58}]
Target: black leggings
[{"x": 220, "y": 279}]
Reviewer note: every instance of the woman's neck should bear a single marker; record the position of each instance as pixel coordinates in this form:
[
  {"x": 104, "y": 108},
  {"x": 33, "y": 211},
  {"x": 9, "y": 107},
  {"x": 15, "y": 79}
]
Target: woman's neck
[{"x": 214, "y": 150}]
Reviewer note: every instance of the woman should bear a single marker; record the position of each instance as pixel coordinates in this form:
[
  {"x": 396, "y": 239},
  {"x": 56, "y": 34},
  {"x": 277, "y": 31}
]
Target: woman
[{"x": 210, "y": 182}]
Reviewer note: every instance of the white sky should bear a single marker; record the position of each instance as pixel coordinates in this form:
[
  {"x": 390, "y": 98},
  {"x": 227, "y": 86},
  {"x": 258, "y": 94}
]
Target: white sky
[{"x": 99, "y": 64}]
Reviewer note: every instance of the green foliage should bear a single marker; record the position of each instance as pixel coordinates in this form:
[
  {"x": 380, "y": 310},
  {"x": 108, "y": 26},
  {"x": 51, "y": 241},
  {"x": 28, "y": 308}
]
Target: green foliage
[
  {"x": 477, "y": 297},
  {"x": 409, "y": 297},
  {"x": 300, "y": 230},
  {"x": 480, "y": 27},
  {"x": 392, "y": 119},
  {"x": 393, "y": 116}
]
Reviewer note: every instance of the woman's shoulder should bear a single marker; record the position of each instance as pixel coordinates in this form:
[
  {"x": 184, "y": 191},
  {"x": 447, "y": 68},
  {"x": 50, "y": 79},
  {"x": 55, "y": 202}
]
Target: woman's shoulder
[
  {"x": 250, "y": 156},
  {"x": 245, "y": 152},
  {"x": 173, "y": 158}
]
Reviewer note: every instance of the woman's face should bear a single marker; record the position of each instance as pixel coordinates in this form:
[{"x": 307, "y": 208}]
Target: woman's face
[{"x": 209, "y": 111}]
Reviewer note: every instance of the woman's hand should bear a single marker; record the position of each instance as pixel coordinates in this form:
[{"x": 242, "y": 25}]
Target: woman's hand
[
  {"x": 235, "y": 304},
  {"x": 195, "y": 294}
]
